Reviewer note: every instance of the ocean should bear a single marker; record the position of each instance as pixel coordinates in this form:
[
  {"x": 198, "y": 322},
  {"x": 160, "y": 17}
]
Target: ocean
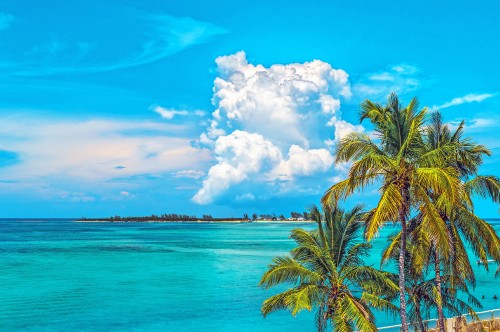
[{"x": 59, "y": 275}]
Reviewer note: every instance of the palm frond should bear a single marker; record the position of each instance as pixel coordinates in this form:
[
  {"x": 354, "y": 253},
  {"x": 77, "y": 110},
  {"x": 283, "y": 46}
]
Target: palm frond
[
  {"x": 387, "y": 210},
  {"x": 287, "y": 270}
]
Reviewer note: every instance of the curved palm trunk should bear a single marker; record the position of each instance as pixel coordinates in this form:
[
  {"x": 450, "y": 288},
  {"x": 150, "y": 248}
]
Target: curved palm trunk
[{"x": 437, "y": 270}]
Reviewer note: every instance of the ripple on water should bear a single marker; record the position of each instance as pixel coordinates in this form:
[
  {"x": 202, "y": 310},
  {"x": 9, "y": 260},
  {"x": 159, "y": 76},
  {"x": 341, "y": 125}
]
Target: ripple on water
[{"x": 64, "y": 276}]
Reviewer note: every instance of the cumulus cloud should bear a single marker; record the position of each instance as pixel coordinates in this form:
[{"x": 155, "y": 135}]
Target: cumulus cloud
[
  {"x": 342, "y": 129},
  {"x": 280, "y": 102},
  {"x": 238, "y": 155},
  {"x": 304, "y": 162},
  {"x": 470, "y": 98},
  {"x": 271, "y": 124}
]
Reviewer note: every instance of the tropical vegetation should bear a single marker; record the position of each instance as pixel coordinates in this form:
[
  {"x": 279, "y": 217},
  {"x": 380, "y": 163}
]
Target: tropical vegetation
[
  {"x": 327, "y": 272},
  {"x": 427, "y": 175}
]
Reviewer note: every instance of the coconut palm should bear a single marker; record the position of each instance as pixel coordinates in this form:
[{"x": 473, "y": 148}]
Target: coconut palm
[
  {"x": 326, "y": 272},
  {"x": 424, "y": 297},
  {"x": 466, "y": 157},
  {"x": 407, "y": 174},
  {"x": 462, "y": 225}
]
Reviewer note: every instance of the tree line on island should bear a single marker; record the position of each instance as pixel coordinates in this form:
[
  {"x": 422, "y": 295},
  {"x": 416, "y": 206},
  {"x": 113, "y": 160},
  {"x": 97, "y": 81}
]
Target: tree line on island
[
  {"x": 427, "y": 174},
  {"x": 173, "y": 217}
]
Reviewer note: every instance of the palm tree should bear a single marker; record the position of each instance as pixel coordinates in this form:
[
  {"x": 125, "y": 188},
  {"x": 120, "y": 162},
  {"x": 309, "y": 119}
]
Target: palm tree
[
  {"x": 422, "y": 299},
  {"x": 407, "y": 174},
  {"x": 326, "y": 272},
  {"x": 423, "y": 293},
  {"x": 462, "y": 225},
  {"x": 466, "y": 157}
]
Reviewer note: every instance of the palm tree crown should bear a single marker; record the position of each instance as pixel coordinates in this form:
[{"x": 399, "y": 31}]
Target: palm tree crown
[
  {"x": 327, "y": 273},
  {"x": 408, "y": 173}
]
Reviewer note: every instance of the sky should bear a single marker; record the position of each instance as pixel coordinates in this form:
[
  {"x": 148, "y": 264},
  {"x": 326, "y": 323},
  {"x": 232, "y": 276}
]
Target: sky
[{"x": 222, "y": 107}]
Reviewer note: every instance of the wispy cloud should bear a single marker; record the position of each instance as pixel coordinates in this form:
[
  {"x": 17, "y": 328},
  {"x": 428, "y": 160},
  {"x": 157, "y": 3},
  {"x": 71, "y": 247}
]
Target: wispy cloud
[
  {"x": 168, "y": 35},
  {"x": 470, "y": 98},
  {"x": 475, "y": 124},
  {"x": 480, "y": 123},
  {"x": 169, "y": 113},
  {"x": 76, "y": 197},
  {"x": 401, "y": 78},
  {"x": 189, "y": 173},
  {"x": 156, "y": 37},
  {"x": 93, "y": 150},
  {"x": 5, "y": 20}
]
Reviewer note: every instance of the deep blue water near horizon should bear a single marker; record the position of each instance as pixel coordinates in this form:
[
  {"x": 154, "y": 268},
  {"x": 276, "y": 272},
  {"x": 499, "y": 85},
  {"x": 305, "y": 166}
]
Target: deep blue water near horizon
[{"x": 58, "y": 275}]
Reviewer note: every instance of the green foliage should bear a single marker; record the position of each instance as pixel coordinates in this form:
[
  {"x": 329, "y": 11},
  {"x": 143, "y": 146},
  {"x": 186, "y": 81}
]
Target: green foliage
[
  {"x": 325, "y": 271},
  {"x": 427, "y": 175}
]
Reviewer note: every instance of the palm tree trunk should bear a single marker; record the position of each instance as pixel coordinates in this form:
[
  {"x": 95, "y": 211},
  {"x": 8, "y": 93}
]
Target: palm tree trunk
[
  {"x": 437, "y": 270},
  {"x": 402, "y": 282},
  {"x": 402, "y": 255},
  {"x": 419, "y": 317}
]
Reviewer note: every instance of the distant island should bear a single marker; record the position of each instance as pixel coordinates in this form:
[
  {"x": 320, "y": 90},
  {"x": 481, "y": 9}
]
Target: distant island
[{"x": 173, "y": 217}]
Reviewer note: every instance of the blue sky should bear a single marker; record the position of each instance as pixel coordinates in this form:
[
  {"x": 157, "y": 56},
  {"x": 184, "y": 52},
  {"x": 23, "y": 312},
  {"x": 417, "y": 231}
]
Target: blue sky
[{"x": 221, "y": 107}]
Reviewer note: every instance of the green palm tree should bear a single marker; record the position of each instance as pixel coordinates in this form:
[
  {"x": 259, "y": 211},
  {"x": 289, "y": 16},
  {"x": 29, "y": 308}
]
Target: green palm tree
[
  {"x": 424, "y": 297},
  {"x": 462, "y": 225},
  {"x": 326, "y": 272},
  {"x": 407, "y": 173},
  {"x": 466, "y": 157}
]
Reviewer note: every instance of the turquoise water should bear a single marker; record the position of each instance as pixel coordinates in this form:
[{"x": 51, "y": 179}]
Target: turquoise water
[{"x": 58, "y": 275}]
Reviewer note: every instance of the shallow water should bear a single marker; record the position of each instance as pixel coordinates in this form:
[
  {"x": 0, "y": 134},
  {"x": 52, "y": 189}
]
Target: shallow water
[{"x": 60, "y": 275}]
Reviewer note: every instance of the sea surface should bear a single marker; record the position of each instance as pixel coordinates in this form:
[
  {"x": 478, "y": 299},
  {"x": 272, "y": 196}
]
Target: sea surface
[{"x": 59, "y": 275}]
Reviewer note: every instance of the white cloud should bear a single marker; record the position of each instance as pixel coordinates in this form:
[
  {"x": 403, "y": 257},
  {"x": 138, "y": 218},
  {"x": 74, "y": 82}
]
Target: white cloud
[
  {"x": 482, "y": 123},
  {"x": 470, "y": 98},
  {"x": 90, "y": 150},
  {"x": 190, "y": 173},
  {"x": 270, "y": 125},
  {"x": 343, "y": 128},
  {"x": 238, "y": 155},
  {"x": 170, "y": 113},
  {"x": 475, "y": 124},
  {"x": 5, "y": 20},
  {"x": 76, "y": 197},
  {"x": 245, "y": 197},
  {"x": 124, "y": 193},
  {"x": 242, "y": 156},
  {"x": 280, "y": 102},
  {"x": 186, "y": 188},
  {"x": 405, "y": 68},
  {"x": 304, "y": 162}
]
